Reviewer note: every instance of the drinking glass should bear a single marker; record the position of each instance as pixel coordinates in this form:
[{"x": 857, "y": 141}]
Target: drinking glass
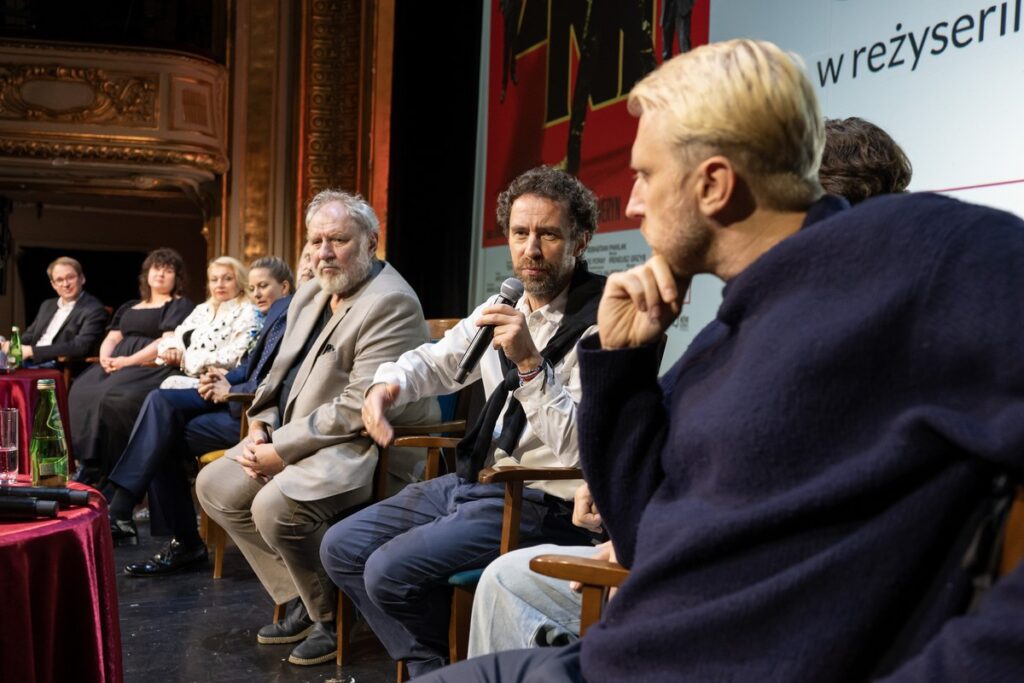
[{"x": 8, "y": 445}]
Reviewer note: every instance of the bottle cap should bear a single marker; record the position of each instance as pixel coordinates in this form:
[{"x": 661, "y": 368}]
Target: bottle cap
[
  {"x": 14, "y": 328},
  {"x": 46, "y": 384}
]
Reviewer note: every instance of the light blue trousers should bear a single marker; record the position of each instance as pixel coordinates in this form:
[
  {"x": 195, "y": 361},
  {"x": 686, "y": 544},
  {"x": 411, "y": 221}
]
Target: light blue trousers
[{"x": 515, "y": 608}]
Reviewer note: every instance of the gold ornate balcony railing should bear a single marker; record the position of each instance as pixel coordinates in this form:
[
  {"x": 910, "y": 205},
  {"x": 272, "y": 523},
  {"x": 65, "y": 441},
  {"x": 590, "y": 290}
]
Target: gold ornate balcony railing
[{"x": 110, "y": 119}]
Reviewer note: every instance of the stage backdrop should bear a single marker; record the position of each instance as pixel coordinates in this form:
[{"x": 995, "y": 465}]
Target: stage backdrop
[
  {"x": 554, "y": 82},
  {"x": 939, "y": 75}
]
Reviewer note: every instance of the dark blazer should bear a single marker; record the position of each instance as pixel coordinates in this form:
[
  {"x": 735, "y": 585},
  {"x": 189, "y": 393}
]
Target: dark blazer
[
  {"x": 78, "y": 337},
  {"x": 246, "y": 376}
]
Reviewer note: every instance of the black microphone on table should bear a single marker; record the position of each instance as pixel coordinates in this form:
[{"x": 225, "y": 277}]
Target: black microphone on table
[
  {"x": 59, "y": 494},
  {"x": 28, "y": 502},
  {"x": 27, "y": 508},
  {"x": 511, "y": 291}
]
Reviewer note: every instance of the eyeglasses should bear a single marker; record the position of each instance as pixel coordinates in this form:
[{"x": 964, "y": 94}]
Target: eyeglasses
[{"x": 64, "y": 280}]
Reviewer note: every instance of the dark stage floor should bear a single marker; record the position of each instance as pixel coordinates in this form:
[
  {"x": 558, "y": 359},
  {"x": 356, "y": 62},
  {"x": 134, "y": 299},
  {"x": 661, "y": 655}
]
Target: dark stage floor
[{"x": 189, "y": 627}]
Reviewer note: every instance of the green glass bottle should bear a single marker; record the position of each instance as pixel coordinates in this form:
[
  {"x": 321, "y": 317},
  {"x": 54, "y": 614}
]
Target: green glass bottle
[
  {"x": 14, "y": 352},
  {"x": 48, "y": 449}
]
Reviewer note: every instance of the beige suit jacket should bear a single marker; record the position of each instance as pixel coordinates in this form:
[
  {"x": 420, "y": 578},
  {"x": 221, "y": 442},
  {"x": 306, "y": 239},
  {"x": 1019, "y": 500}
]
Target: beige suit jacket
[{"x": 318, "y": 435}]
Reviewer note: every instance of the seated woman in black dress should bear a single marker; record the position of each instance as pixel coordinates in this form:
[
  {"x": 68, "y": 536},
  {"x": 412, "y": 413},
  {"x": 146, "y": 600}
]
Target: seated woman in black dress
[{"x": 105, "y": 399}]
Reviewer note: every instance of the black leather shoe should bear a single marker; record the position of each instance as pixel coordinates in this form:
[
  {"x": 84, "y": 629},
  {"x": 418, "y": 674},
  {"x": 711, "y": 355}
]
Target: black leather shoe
[
  {"x": 124, "y": 532},
  {"x": 295, "y": 625},
  {"x": 173, "y": 558},
  {"x": 320, "y": 646}
]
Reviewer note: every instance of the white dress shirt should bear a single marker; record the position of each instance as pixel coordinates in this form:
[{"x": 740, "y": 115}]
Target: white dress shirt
[
  {"x": 549, "y": 399},
  {"x": 56, "y": 322}
]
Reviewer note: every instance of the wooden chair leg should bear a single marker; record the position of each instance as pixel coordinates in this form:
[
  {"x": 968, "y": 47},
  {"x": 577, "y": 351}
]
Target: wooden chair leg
[
  {"x": 345, "y": 616},
  {"x": 594, "y": 599},
  {"x": 458, "y": 626},
  {"x": 402, "y": 673},
  {"x": 278, "y": 613},
  {"x": 218, "y": 539}
]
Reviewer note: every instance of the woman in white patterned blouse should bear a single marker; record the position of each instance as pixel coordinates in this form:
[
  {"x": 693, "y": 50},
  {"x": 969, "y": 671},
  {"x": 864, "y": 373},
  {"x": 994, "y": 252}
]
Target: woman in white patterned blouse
[{"x": 218, "y": 332}]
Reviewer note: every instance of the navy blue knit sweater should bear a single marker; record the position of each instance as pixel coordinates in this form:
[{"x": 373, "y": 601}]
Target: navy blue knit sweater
[{"x": 797, "y": 511}]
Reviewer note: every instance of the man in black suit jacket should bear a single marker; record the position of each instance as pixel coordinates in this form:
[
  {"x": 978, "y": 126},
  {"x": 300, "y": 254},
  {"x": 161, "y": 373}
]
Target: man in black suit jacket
[{"x": 73, "y": 324}]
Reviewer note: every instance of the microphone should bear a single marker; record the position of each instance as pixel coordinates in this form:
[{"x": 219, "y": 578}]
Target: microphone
[
  {"x": 511, "y": 292},
  {"x": 63, "y": 496}
]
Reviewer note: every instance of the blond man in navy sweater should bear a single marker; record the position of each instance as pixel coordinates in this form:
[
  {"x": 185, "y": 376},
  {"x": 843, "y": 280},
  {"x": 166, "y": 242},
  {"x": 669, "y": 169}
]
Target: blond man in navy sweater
[{"x": 804, "y": 497}]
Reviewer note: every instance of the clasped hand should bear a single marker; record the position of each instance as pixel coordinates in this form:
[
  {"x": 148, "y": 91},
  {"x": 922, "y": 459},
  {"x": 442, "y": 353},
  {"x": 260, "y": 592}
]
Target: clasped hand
[
  {"x": 259, "y": 459},
  {"x": 213, "y": 386},
  {"x": 639, "y": 304},
  {"x": 171, "y": 356},
  {"x": 113, "y": 363}
]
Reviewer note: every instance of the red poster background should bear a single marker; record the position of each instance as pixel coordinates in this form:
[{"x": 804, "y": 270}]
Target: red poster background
[{"x": 517, "y": 137}]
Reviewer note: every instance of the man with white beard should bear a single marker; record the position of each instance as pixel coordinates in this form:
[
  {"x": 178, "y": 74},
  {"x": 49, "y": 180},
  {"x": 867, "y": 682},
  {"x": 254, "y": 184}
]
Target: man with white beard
[{"x": 304, "y": 461}]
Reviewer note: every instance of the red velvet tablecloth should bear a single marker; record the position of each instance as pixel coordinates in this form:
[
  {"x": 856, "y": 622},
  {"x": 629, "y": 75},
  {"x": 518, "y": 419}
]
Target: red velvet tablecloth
[
  {"x": 18, "y": 390},
  {"x": 58, "y": 598}
]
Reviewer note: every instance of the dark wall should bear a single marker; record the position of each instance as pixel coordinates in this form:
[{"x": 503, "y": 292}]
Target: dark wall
[
  {"x": 194, "y": 26},
  {"x": 110, "y": 245},
  {"x": 113, "y": 292},
  {"x": 433, "y": 147}
]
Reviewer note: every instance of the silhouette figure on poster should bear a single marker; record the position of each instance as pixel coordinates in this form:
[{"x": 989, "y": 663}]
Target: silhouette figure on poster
[
  {"x": 601, "y": 32},
  {"x": 675, "y": 14},
  {"x": 510, "y": 12}
]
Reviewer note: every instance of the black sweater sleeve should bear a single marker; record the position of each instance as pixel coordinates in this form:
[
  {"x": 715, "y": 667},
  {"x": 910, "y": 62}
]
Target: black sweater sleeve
[{"x": 622, "y": 427}]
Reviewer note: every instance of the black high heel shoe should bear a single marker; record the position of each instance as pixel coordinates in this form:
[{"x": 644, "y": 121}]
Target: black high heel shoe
[{"x": 124, "y": 532}]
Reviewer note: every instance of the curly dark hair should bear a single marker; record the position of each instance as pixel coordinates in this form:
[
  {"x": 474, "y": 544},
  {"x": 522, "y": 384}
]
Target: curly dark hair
[
  {"x": 558, "y": 186},
  {"x": 861, "y": 160},
  {"x": 164, "y": 256}
]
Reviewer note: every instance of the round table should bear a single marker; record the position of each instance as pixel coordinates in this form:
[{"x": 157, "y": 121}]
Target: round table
[{"x": 58, "y": 597}]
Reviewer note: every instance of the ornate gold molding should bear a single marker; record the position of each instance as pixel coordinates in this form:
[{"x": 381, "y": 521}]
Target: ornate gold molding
[
  {"x": 107, "y": 152},
  {"x": 125, "y": 99},
  {"x": 330, "y": 90},
  {"x": 73, "y": 116},
  {"x": 344, "y": 122}
]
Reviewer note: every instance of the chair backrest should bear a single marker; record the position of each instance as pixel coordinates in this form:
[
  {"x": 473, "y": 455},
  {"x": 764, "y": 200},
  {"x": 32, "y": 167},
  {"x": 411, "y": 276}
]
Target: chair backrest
[
  {"x": 454, "y": 408},
  {"x": 438, "y": 326}
]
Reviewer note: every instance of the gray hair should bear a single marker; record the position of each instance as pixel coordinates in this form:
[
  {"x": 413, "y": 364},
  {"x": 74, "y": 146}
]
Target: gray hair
[{"x": 359, "y": 211}]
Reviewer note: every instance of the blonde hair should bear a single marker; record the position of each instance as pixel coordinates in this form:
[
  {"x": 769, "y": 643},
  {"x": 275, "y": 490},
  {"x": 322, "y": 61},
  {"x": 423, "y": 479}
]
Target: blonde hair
[
  {"x": 241, "y": 276},
  {"x": 749, "y": 101}
]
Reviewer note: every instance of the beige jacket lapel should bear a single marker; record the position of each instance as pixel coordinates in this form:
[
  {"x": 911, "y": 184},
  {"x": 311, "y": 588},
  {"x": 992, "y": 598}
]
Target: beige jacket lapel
[{"x": 314, "y": 352}]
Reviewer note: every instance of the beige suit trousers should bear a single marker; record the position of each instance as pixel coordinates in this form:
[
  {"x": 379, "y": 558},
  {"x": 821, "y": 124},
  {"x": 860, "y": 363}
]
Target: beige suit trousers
[{"x": 279, "y": 536}]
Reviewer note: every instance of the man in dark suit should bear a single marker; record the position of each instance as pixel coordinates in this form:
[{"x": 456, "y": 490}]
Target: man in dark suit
[
  {"x": 73, "y": 324},
  {"x": 175, "y": 424}
]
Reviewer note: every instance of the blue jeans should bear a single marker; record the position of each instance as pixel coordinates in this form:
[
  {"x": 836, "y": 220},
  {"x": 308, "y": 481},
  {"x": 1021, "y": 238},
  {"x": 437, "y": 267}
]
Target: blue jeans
[
  {"x": 514, "y": 607},
  {"x": 393, "y": 559}
]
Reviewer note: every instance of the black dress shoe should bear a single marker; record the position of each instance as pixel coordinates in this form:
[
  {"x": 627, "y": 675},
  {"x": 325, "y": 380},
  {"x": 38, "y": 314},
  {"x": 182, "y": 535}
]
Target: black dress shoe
[
  {"x": 295, "y": 625},
  {"x": 124, "y": 532},
  {"x": 173, "y": 558},
  {"x": 320, "y": 646}
]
